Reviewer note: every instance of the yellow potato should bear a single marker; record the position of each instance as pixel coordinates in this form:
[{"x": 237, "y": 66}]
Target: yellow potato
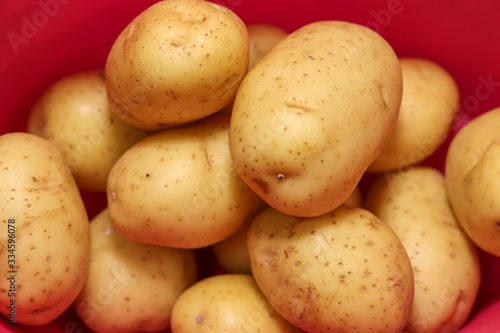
[
  {"x": 74, "y": 114},
  {"x": 130, "y": 286},
  {"x": 178, "y": 188},
  {"x": 44, "y": 235},
  {"x": 312, "y": 114},
  {"x": 230, "y": 303},
  {"x": 232, "y": 253},
  {"x": 261, "y": 39},
  {"x": 445, "y": 263},
  {"x": 472, "y": 180},
  {"x": 344, "y": 271},
  {"x": 176, "y": 62},
  {"x": 355, "y": 199},
  {"x": 428, "y": 107}
]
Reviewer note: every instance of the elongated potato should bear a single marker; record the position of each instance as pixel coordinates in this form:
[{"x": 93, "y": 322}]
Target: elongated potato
[
  {"x": 179, "y": 188},
  {"x": 312, "y": 114},
  {"x": 473, "y": 180},
  {"x": 176, "y": 62},
  {"x": 74, "y": 114},
  {"x": 227, "y": 303},
  {"x": 428, "y": 107},
  {"x": 445, "y": 262},
  {"x": 44, "y": 234},
  {"x": 344, "y": 271},
  {"x": 131, "y": 286}
]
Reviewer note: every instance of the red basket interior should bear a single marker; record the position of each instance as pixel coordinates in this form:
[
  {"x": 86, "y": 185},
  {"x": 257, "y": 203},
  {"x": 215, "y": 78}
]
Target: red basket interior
[{"x": 44, "y": 40}]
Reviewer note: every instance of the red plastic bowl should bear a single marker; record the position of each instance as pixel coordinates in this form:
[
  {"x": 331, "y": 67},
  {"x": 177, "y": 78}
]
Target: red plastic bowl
[{"x": 44, "y": 40}]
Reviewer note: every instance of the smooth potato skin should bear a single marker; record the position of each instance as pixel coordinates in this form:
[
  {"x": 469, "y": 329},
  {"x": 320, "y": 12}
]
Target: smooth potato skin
[
  {"x": 230, "y": 303},
  {"x": 261, "y": 39},
  {"x": 52, "y": 229},
  {"x": 355, "y": 199},
  {"x": 312, "y": 114},
  {"x": 344, "y": 271},
  {"x": 178, "y": 188},
  {"x": 472, "y": 180},
  {"x": 429, "y": 104},
  {"x": 445, "y": 262},
  {"x": 74, "y": 114},
  {"x": 232, "y": 252},
  {"x": 176, "y": 62},
  {"x": 130, "y": 286}
]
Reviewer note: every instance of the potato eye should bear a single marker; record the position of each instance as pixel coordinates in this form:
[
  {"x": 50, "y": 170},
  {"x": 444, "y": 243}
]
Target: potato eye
[{"x": 280, "y": 176}]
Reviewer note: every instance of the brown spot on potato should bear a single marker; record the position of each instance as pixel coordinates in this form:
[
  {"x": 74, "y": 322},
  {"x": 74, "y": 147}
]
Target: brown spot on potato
[{"x": 262, "y": 184}]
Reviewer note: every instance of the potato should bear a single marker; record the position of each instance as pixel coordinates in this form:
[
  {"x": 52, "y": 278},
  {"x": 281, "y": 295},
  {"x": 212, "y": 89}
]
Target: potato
[
  {"x": 130, "y": 286},
  {"x": 472, "y": 180},
  {"x": 355, "y": 198},
  {"x": 226, "y": 303},
  {"x": 232, "y": 253},
  {"x": 261, "y": 39},
  {"x": 344, "y": 271},
  {"x": 178, "y": 188},
  {"x": 445, "y": 263},
  {"x": 312, "y": 114},
  {"x": 176, "y": 62},
  {"x": 428, "y": 107},
  {"x": 44, "y": 235},
  {"x": 74, "y": 114}
]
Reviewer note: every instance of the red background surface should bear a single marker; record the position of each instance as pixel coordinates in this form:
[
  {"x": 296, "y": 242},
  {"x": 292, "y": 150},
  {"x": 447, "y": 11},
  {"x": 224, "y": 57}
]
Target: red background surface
[{"x": 44, "y": 40}]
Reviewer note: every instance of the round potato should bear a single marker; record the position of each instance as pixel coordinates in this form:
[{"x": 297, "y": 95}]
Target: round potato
[
  {"x": 227, "y": 303},
  {"x": 44, "y": 235},
  {"x": 445, "y": 262},
  {"x": 74, "y": 114},
  {"x": 176, "y": 62},
  {"x": 428, "y": 107},
  {"x": 473, "y": 180},
  {"x": 344, "y": 271},
  {"x": 179, "y": 188},
  {"x": 312, "y": 114},
  {"x": 130, "y": 286},
  {"x": 261, "y": 39}
]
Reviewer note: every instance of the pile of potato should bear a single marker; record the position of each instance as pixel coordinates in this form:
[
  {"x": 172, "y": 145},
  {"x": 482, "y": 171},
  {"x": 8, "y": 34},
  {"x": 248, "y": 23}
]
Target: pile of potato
[{"x": 205, "y": 132}]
